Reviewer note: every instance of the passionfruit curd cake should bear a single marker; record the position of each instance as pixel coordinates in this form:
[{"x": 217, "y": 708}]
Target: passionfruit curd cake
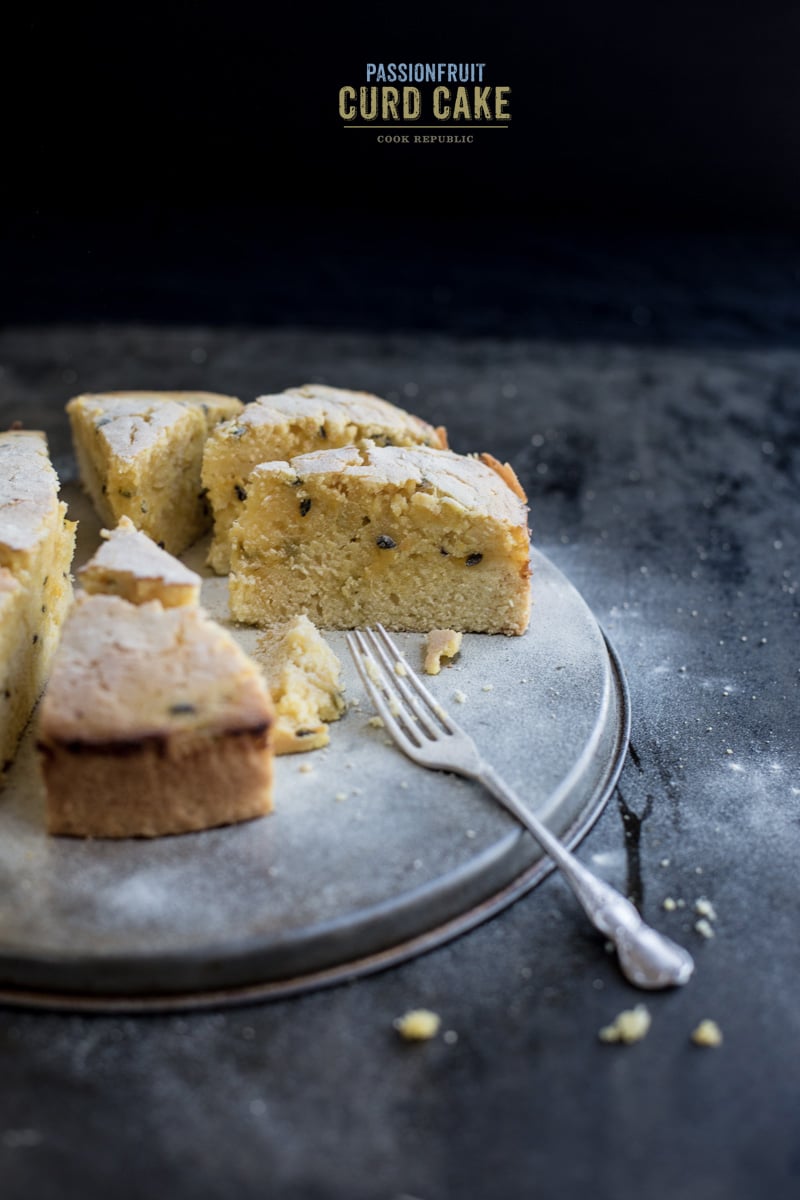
[
  {"x": 129, "y": 564},
  {"x": 297, "y": 421},
  {"x": 36, "y": 548},
  {"x": 413, "y": 537},
  {"x": 140, "y": 456},
  {"x": 304, "y": 679},
  {"x": 154, "y": 722}
]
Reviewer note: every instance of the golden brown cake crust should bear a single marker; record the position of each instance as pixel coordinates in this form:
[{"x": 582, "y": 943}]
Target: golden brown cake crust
[
  {"x": 157, "y": 786},
  {"x": 506, "y": 473},
  {"x": 155, "y": 721}
]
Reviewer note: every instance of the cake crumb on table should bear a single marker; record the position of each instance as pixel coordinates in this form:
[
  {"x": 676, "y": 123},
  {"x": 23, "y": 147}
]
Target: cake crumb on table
[
  {"x": 629, "y": 1026},
  {"x": 440, "y": 643},
  {"x": 704, "y": 908},
  {"x": 703, "y": 927},
  {"x": 418, "y": 1025},
  {"x": 459, "y": 696},
  {"x": 707, "y": 1033},
  {"x": 669, "y": 904}
]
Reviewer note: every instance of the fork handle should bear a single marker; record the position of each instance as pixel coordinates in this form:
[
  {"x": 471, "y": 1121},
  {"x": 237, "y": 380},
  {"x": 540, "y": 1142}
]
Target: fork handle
[{"x": 648, "y": 959}]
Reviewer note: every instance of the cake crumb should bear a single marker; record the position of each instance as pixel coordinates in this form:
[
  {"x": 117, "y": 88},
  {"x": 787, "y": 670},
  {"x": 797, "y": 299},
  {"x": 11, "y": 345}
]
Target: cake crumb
[
  {"x": 305, "y": 768},
  {"x": 703, "y": 927},
  {"x": 440, "y": 643},
  {"x": 371, "y": 667},
  {"x": 669, "y": 904},
  {"x": 629, "y": 1026},
  {"x": 665, "y": 862},
  {"x": 459, "y": 696},
  {"x": 707, "y": 1033},
  {"x": 399, "y": 669},
  {"x": 488, "y": 687},
  {"x": 418, "y": 1025},
  {"x": 376, "y": 722},
  {"x": 340, "y": 796},
  {"x": 704, "y": 908}
]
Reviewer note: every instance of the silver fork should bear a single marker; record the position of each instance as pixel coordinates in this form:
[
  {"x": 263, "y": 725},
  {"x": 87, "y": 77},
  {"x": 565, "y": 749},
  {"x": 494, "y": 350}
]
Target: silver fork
[{"x": 427, "y": 734}]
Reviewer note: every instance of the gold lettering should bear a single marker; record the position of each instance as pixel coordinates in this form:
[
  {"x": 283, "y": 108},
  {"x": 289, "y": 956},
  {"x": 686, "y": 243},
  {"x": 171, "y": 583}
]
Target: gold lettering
[
  {"x": 500, "y": 103},
  {"x": 461, "y": 106},
  {"x": 411, "y": 104},
  {"x": 347, "y": 106},
  {"x": 369, "y": 111},
  {"x": 482, "y": 104},
  {"x": 389, "y": 98},
  {"x": 441, "y": 110}
]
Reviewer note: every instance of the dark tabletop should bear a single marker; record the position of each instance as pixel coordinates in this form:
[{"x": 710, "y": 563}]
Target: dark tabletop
[{"x": 662, "y": 470}]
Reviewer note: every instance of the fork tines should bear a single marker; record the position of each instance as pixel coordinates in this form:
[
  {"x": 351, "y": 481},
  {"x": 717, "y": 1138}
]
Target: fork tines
[{"x": 403, "y": 702}]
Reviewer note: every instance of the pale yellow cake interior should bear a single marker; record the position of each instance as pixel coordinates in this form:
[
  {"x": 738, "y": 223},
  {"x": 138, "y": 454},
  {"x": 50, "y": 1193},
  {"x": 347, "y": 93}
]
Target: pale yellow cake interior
[
  {"x": 140, "y": 456},
  {"x": 298, "y": 421},
  {"x": 36, "y": 548},
  {"x": 413, "y": 537},
  {"x": 303, "y": 675},
  {"x": 155, "y": 721},
  {"x": 129, "y": 564}
]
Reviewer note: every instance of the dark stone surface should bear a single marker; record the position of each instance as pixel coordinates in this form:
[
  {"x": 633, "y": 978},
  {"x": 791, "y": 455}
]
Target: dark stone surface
[{"x": 664, "y": 483}]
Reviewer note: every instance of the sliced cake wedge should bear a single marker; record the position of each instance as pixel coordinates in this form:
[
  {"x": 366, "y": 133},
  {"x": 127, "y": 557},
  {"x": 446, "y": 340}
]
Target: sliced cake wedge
[
  {"x": 154, "y": 722},
  {"x": 37, "y": 543},
  {"x": 413, "y": 537},
  {"x": 303, "y": 675},
  {"x": 298, "y": 421},
  {"x": 129, "y": 564},
  {"x": 140, "y": 456}
]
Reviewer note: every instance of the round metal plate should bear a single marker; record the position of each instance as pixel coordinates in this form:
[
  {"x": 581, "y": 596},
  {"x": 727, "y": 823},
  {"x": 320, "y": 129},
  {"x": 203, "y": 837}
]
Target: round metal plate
[{"x": 367, "y": 859}]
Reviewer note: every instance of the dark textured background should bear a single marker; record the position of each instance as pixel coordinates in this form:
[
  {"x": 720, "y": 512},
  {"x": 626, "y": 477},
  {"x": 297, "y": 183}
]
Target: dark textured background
[
  {"x": 664, "y": 482},
  {"x": 609, "y": 298}
]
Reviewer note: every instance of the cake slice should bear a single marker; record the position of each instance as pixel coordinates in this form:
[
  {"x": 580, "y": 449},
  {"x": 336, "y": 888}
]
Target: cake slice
[
  {"x": 36, "y": 547},
  {"x": 17, "y": 687},
  {"x": 297, "y": 421},
  {"x": 154, "y": 722},
  {"x": 303, "y": 675},
  {"x": 140, "y": 456},
  {"x": 413, "y": 537},
  {"x": 130, "y": 564}
]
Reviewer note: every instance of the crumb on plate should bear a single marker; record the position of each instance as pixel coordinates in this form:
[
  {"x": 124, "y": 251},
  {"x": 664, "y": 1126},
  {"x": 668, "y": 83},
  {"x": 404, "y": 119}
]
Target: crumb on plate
[
  {"x": 418, "y": 1025},
  {"x": 440, "y": 643},
  {"x": 707, "y": 1033},
  {"x": 629, "y": 1026}
]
